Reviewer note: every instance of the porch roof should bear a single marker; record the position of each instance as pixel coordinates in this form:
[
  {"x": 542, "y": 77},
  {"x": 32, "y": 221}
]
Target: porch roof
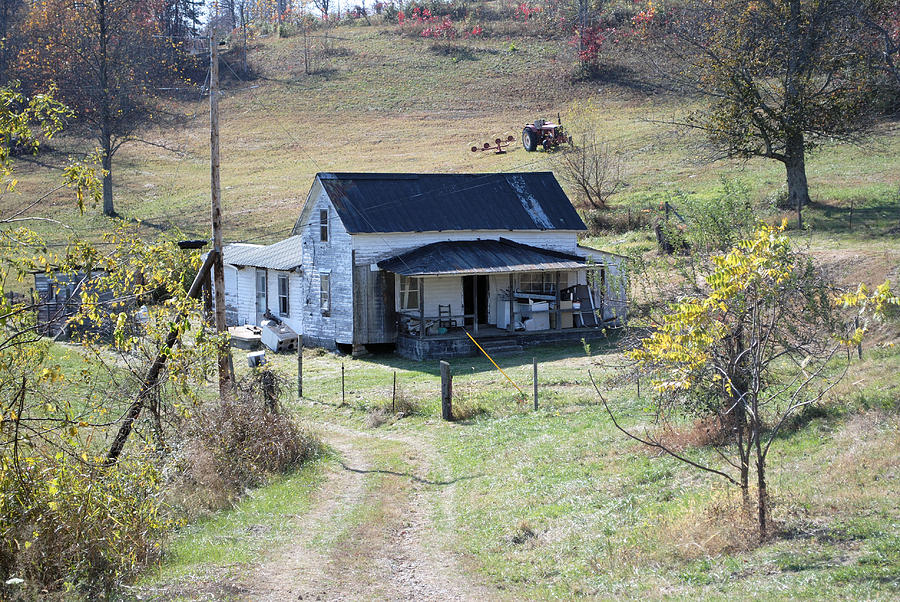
[{"x": 479, "y": 257}]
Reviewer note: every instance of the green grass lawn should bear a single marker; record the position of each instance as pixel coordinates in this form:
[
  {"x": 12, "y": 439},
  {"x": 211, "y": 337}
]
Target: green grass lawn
[{"x": 260, "y": 522}]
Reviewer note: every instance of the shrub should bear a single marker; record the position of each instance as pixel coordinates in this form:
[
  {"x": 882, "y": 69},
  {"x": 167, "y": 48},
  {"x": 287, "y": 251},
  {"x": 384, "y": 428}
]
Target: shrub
[
  {"x": 67, "y": 524},
  {"x": 466, "y": 408},
  {"x": 234, "y": 445},
  {"x": 403, "y": 406},
  {"x": 287, "y": 30}
]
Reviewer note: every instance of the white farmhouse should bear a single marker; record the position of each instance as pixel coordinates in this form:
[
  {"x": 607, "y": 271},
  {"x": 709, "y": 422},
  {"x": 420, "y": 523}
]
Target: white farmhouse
[{"x": 421, "y": 262}]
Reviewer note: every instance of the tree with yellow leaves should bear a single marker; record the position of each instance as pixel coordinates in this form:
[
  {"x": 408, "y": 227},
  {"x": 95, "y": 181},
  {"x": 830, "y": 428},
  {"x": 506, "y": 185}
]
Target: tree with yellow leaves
[{"x": 769, "y": 337}]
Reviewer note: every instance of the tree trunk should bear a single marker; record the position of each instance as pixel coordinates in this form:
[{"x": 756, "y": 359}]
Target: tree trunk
[
  {"x": 4, "y": 27},
  {"x": 762, "y": 493},
  {"x": 105, "y": 111},
  {"x": 108, "y": 208},
  {"x": 795, "y": 165}
]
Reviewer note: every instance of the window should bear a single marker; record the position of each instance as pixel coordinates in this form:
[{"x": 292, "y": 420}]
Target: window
[
  {"x": 323, "y": 225},
  {"x": 325, "y": 293},
  {"x": 542, "y": 282},
  {"x": 284, "y": 305},
  {"x": 410, "y": 289},
  {"x": 262, "y": 295},
  {"x": 531, "y": 282}
]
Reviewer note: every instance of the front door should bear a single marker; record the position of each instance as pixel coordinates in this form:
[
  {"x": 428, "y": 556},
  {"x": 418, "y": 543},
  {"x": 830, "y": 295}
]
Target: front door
[
  {"x": 262, "y": 294},
  {"x": 475, "y": 288}
]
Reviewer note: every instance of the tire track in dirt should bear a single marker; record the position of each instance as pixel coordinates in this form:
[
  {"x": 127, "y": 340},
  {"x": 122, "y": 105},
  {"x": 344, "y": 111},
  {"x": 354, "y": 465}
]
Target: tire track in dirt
[{"x": 394, "y": 553}]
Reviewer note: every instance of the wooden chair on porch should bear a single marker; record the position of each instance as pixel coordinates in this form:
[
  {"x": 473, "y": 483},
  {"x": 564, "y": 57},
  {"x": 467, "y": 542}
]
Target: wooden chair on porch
[{"x": 444, "y": 319}]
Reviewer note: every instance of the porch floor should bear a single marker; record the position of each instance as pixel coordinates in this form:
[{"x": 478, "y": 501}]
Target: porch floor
[{"x": 455, "y": 343}]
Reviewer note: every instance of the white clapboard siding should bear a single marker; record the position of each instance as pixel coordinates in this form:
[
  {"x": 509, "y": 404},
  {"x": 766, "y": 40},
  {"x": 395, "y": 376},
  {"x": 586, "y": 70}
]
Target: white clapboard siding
[
  {"x": 247, "y": 295},
  {"x": 333, "y": 257},
  {"x": 232, "y": 296},
  {"x": 371, "y": 248},
  {"x": 443, "y": 291}
]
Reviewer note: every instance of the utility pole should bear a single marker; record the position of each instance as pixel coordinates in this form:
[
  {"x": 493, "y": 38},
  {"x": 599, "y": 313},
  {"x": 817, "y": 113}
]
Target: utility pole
[{"x": 224, "y": 358}]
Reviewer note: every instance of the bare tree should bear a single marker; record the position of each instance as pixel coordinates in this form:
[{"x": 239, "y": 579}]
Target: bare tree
[
  {"x": 323, "y": 5},
  {"x": 593, "y": 170}
]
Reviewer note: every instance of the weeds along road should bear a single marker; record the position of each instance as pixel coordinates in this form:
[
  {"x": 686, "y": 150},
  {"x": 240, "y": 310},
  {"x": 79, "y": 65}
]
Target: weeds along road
[{"x": 370, "y": 535}]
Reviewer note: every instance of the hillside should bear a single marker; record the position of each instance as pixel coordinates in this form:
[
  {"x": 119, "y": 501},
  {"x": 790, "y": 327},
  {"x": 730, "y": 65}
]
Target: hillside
[{"x": 384, "y": 102}]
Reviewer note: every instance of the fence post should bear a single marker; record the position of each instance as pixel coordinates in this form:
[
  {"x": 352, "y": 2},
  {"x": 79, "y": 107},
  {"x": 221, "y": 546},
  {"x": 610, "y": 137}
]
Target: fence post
[
  {"x": 343, "y": 394},
  {"x": 299, "y": 366},
  {"x": 446, "y": 391},
  {"x": 534, "y": 361},
  {"x": 394, "y": 395}
]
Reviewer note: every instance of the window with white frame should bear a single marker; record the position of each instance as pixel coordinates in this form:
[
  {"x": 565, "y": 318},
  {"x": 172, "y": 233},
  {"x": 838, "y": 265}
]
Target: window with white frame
[
  {"x": 325, "y": 293},
  {"x": 531, "y": 282},
  {"x": 284, "y": 302},
  {"x": 262, "y": 292},
  {"x": 543, "y": 283},
  {"x": 410, "y": 292},
  {"x": 323, "y": 225}
]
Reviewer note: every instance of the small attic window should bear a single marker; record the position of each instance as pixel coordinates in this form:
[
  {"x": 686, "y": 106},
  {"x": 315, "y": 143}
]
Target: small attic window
[{"x": 323, "y": 225}]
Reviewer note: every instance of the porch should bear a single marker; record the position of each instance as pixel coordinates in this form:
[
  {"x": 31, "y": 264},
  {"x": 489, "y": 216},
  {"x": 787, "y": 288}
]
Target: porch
[
  {"x": 506, "y": 295},
  {"x": 494, "y": 341}
]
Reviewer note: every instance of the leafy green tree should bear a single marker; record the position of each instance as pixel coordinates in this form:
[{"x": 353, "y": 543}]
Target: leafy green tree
[
  {"x": 67, "y": 518},
  {"x": 781, "y": 76}
]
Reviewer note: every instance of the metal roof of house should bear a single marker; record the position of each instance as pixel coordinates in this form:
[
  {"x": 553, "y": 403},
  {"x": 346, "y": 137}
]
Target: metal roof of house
[
  {"x": 283, "y": 255},
  {"x": 479, "y": 257},
  {"x": 396, "y": 202}
]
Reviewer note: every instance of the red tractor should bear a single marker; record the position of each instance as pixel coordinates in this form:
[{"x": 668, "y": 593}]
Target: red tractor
[{"x": 543, "y": 133}]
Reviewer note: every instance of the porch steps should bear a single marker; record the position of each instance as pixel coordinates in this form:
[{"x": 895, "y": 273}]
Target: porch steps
[{"x": 500, "y": 346}]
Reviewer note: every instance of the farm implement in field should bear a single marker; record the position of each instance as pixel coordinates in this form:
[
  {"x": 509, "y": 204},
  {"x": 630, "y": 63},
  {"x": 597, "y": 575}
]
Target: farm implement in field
[
  {"x": 498, "y": 147},
  {"x": 545, "y": 134}
]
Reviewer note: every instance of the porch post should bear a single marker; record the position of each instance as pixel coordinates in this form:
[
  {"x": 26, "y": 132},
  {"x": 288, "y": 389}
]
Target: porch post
[
  {"x": 421, "y": 308},
  {"x": 558, "y": 311},
  {"x": 475, "y": 297},
  {"x": 512, "y": 305}
]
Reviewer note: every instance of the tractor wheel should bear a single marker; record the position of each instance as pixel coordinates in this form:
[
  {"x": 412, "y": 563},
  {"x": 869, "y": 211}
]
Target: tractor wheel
[{"x": 529, "y": 139}]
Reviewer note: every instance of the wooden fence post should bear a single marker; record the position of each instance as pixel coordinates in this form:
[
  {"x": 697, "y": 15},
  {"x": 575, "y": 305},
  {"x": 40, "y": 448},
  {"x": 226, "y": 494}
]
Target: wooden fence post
[
  {"x": 446, "y": 391},
  {"x": 394, "y": 395},
  {"x": 534, "y": 361},
  {"x": 300, "y": 367},
  {"x": 343, "y": 393}
]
